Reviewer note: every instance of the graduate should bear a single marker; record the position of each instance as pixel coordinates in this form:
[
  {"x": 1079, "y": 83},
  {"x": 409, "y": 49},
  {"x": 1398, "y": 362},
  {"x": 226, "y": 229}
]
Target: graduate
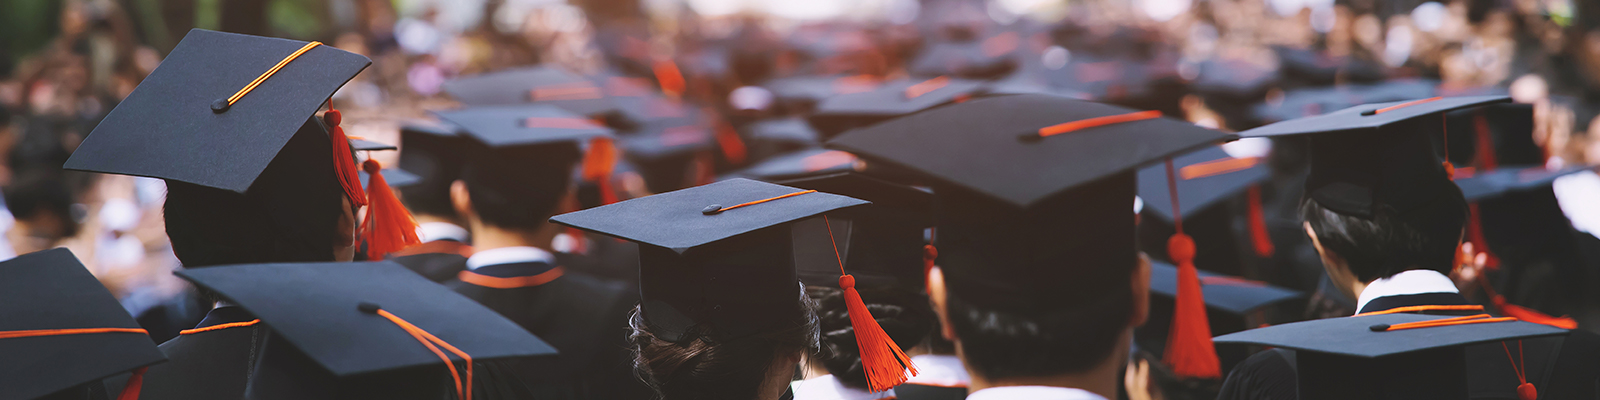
[
  {"x": 1038, "y": 279},
  {"x": 518, "y": 172},
  {"x": 252, "y": 176},
  {"x": 434, "y": 153},
  {"x": 1387, "y": 221},
  {"x": 722, "y": 314}
]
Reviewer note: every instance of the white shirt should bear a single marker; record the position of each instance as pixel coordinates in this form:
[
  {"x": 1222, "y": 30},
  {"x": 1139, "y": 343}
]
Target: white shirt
[
  {"x": 1033, "y": 393},
  {"x": 827, "y": 387},
  {"x": 509, "y": 255},
  {"x": 940, "y": 370},
  {"x": 1416, "y": 281},
  {"x": 1579, "y": 197},
  {"x": 431, "y": 231}
]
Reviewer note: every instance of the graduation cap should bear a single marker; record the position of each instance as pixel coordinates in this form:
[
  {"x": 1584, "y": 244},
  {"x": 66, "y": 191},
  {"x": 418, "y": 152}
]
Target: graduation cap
[
  {"x": 1234, "y": 78},
  {"x": 881, "y": 244},
  {"x": 1388, "y": 355},
  {"x": 786, "y": 130},
  {"x": 1311, "y": 67},
  {"x": 219, "y": 109},
  {"x": 839, "y": 113},
  {"x": 1235, "y": 296},
  {"x": 1206, "y": 178},
  {"x": 1376, "y": 155},
  {"x": 803, "y": 163},
  {"x": 1493, "y": 135},
  {"x": 388, "y": 226},
  {"x": 359, "y": 144},
  {"x": 523, "y": 125},
  {"x": 62, "y": 329},
  {"x": 345, "y": 320},
  {"x": 542, "y": 84},
  {"x": 397, "y": 178},
  {"x": 435, "y": 153},
  {"x": 665, "y": 150},
  {"x": 814, "y": 88},
  {"x": 968, "y": 60},
  {"x": 1067, "y": 163}
]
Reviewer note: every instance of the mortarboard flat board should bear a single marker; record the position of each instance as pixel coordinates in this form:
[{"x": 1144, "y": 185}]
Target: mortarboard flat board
[
  {"x": 881, "y": 243},
  {"x": 179, "y": 124},
  {"x": 1374, "y": 155},
  {"x": 839, "y": 113},
  {"x": 357, "y": 144},
  {"x": 718, "y": 254},
  {"x": 803, "y": 163},
  {"x": 51, "y": 290},
  {"x": 523, "y": 125},
  {"x": 397, "y": 178},
  {"x": 1484, "y": 185},
  {"x": 1423, "y": 362},
  {"x": 542, "y": 84},
  {"x": 967, "y": 60},
  {"x": 324, "y": 310},
  {"x": 1236, "y": 296},
  {"x": 815, "y": 88},
  {"x": 1205, "y": 177},
  {"x": 786, "y": 130}
]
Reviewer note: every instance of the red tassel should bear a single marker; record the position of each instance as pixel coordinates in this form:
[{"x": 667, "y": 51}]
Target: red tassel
[
  {"x": 732, "y": 146},
  {"x": 1189, "y": 348},
  {"x": 885, "y": 364},
  {"x": 135, "y": 383},
  {"x": 929, "y": 255},
  {"x": 1475, "y": 236},
  {"x": 1486, "y": 159},
  {"x": 1526, "y": 391},
  {"x": 1523, "y": 313},
  {"x": 344, "y": 162},
  {"x": 598, "y": 165},
  {"x": 668, "y": 75},
  {"x": 1258, "y": 225},
  {"x": 388, "y": 227}
]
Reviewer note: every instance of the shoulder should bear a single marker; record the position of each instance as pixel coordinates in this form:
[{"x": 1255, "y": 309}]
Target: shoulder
[{"x": 1266, "y": 375}]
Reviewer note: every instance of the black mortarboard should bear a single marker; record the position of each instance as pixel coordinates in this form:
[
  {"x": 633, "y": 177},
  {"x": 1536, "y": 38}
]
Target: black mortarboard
[
  {"x": 967, "y": 60},
  {"x": 523, "y": 125},
  {"x": 543, "y": 84},
  {"x": 1367, "y": 357},
  {"x": 1312, "y": 67},
  {"x": 803, "y": 163},
  {"x": 1234, "y": 79},
  {"x": 397, "y": 178},
  {"x": 1480, "y": 185},
  {"x": 812, "y": 89},
  {"x": 839, "y": 113},
  {"x": 1102, "y": 78},
  {"x": 328, "y": 311},
  {"x": 730, "y": 270},
  {"x": 1236, "y": 296},
  {"x": 1494, "y": 135},
  {"x": 51, "y": 290},
  {"x": 178, "y": 123},
  {"x": 881, "y": 243},
  {"x": 786, "y": 130},
  {"x": 368, "y": 145},
  {"x": 1376, "y": 155},
  {"x": 1204, "y": 178},
  {"x": 1035, "y": 191},
  {"x": 434, "y": 152}
]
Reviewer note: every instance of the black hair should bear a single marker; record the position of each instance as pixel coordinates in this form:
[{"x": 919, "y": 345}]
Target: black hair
[
  {"x": 437, "y": 161},
  {"x": 1391, "y": 241},
  {"x": 701, "y": 368},
  {"x": 289, "y": 214},
  {"x": 519, "y": 187},
  {"x": 1072, "y": 339},
  {"x": 41, "y": 193},
  {"x": 905, "y": 316}
]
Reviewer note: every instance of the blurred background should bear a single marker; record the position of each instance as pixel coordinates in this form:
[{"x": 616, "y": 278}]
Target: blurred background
[{"x": 739, "y": 65}]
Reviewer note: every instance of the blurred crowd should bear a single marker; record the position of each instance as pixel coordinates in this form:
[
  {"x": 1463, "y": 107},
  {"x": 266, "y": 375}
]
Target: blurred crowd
[{"x": 1228, "y": 64}]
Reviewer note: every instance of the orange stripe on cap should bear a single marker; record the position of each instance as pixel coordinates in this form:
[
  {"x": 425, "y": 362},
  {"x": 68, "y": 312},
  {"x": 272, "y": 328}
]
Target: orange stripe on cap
[
  {"x": 130, "y": 391},
  {"x": 1400, "y": 106},
  {"x": 1082, "y": 124},
  {"x": 512, "y": 282},
  {"x": 1217, "y": 167},
  {"x": 557, "y": 123},
  {"x": 579, "y": 91},
  {"x": 1467, "y": 320},
  {"x": 714, "y": 208},
  {"x": 219, "y": 327},
  {"x": 924, "y": 87},
  {"x": 1411, "y": 309},
  {"x": 264, "y": 75},
  {"x": 433, "y": 343}
]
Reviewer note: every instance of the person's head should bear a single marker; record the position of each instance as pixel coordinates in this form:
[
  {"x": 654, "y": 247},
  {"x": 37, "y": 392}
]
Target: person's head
[
  {"x": 435, "y": 158},
  {"x": 757, "y": 366},
  {"x": 295, "y": 211},
  {"x": 904, "y": 315},
  {"x": 41, "y": 202},
  {"x": 514, "y": 188},
  {"x": 1362, "y": 250}
]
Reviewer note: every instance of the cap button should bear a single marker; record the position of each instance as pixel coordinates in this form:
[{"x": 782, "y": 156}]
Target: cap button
[
  {"x": 711, "y": 209},
  {"x": 369, "y": 308},
  {"x": 1369, "y": 113},
  {"x": 1379, "y": 327},
  {"x": 1030, "y": 137},
  {"x": 220, "y": 105}
]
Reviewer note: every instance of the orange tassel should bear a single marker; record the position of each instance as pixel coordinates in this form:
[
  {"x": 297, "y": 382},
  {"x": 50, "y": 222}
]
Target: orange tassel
[
  {"x": 598, "y": 165},
  {"x": 669, "y": 77},
  {"x": 388, "y": 227},
  {"x": 135, "y": 384},
  {"x": 885, "y": 364},
  {"x": 344, "y": 162},
  {"x": 1475, "y": 236},
  {"x": 732, "y": 146},
  {"x": 1258, "y": 224},
  {"x": 1526, "y": 391},
  {"x": 1189, "y": 351}
]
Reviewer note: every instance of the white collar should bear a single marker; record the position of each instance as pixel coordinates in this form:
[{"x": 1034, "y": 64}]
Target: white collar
[
  {"x": 1033, "y": 393},
  {"x": 431, "y": 231},
  {"x": 827, "y": 387},
  {"x": 509, "y": 255},
  {"x": 1416, "y": 281},
  {"x": 1577, "y": 194},
  {"x": 940, "y": 370}
]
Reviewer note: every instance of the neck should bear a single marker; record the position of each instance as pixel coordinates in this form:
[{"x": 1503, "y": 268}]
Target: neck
[
  {"x": 427, "y": 218},
  {"x": 487, "y": 237},
  {"x": 1102, "y": 379}
]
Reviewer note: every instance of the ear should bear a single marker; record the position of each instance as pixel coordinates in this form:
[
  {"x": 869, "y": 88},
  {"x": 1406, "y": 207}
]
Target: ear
[
  {"x": 936, "y": 296},
  {"x": 461, "y": 200},
  {"x": 1141, "y": 292}
]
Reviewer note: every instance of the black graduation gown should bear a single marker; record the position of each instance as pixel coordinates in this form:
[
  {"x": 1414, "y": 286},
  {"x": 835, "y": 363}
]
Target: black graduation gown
[
  {"x": 583, "y": 317},
  {"x": 438, "y": 260},
  {"x": 285, "y": 373},
  {"x": 912, "y": 391},
  {"x": 205, "y": 365},
  {"x": 1559, "y": 367}
]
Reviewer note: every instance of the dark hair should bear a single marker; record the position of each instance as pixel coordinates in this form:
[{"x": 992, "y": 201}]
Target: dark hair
[
  {"x": 1066, "y": 339},
  {"x": 1392, "y": 242},
  {"x": 290, "y": 214},
  {"x": 519, "y": 187},
  {"x": 438, "y": 163},
  {"x": 42, "y": 193},
  {"x": 905, "y": 316},
  {"x": 701, "y": 368}
]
